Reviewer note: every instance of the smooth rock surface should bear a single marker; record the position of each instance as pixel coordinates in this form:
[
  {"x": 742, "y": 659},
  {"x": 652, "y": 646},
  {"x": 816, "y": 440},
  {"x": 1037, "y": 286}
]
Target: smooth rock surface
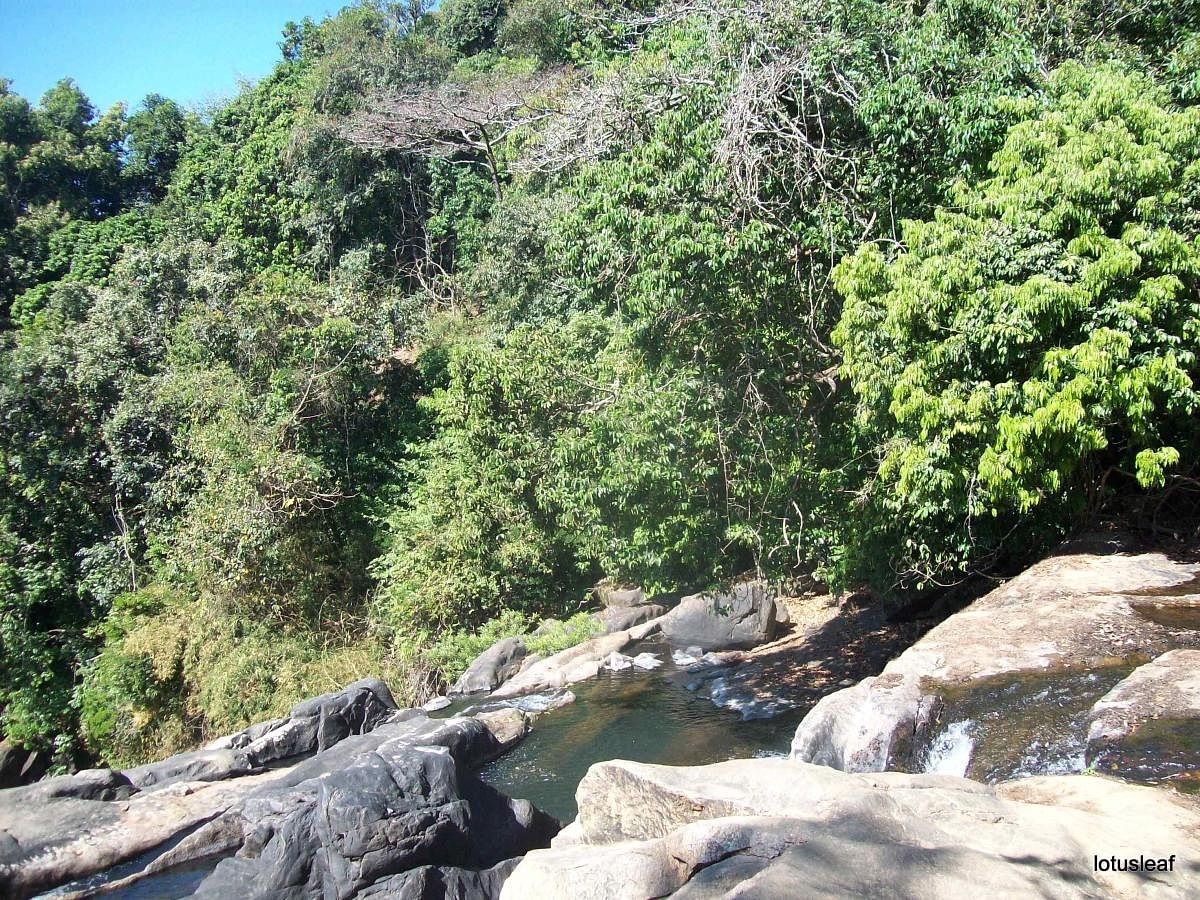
[
  {"x": 492, "y": 667},
  {"x": 364, "y": 807},
  {"x": 406, "y": 802},
  {"x": 742, "y": 617},
  {"x": 782, "y": 828},
  {"x": 1068, "y": 614},
  {"x": 1148, "y": 726},
  {"x": 620, "y": 618}
]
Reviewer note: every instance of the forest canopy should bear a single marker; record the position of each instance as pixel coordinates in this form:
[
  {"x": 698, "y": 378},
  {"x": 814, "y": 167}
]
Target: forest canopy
[{"x": 460, "y": 310}]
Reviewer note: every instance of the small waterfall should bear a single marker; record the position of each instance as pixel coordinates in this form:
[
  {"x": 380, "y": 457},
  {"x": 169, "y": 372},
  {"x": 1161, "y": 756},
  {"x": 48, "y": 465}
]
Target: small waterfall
[{"x": 950, "y": 753}]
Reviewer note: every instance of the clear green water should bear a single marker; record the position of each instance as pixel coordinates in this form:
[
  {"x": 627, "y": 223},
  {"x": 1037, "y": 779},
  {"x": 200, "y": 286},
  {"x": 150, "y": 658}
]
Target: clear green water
[{"x": 646, "y": 716}]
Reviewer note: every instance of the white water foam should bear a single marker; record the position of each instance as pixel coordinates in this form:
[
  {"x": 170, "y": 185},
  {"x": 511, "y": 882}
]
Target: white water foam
[{"x": 950, "y": 753}]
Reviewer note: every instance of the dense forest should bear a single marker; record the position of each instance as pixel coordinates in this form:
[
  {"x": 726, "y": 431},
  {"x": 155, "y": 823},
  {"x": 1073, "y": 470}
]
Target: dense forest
[{"x": 461, "y": 310}]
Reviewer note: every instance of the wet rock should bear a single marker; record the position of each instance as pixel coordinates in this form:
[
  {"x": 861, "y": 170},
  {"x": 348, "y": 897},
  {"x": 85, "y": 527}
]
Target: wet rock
[
  {"x": 437, "y": 703},
  {"x": 742, "y": 617},
  {"x": 493, "y": 667},
  {"x": 781, "y": 828},
  {"x": 508, "y": 726},
  {"x": 1148, "y": 726},
  {"x": 870, "y": 727},
  {"x": 646, "y": 661},
  {"x": 1067, "y": 615},
  {"x": 620, "y": 618}
]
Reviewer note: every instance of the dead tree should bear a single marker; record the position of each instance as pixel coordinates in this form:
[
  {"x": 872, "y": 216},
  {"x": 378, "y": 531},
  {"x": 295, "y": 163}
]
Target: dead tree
[{"x": 450, "y": 118}]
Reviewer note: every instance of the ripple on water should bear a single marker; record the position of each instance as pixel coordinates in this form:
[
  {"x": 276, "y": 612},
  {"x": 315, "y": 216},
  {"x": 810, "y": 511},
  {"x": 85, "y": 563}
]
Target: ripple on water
[{"x": 646, "y": 716}]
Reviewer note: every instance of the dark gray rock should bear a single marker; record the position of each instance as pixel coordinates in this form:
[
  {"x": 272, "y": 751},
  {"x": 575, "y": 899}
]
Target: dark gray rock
[
  {"x": 619, "y": 618},
  {"x": 742, "y": 617},
  {"x": 443, "y": 883},
  {"x": 375, "y": 808},
  {"x": 87, "y": 784},
  {"x": 21, "y": 766},
  {"x": 492, "y": 667},
  {"x": 372, "y": 805},
  {"x": 312, "y": 725}
]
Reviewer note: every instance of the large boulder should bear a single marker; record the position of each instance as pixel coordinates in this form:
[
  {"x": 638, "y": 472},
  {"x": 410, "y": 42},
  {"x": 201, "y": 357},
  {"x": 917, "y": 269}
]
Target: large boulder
[
  {"x": 405, "y": 803},
  {"x": 781, "y": 828},
  {"x": 367, "y": 806},
  {"x": 742, "y": 617},
  {"x": 1148, "y": 726},
  {"x": 1054, "y": 638},
  {"x": 312, "y": 725},
  {"x": 19, "y": 765},
  {"x": 619, "y": 596},
  {"x": 492, "y": 667}
]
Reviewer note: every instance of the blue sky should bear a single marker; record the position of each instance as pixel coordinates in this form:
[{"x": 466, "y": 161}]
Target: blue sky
[{"x": 192, "y": 51}]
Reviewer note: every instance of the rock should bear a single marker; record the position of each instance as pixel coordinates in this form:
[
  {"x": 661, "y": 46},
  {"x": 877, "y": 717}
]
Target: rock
[
  {"x": 362, "y": 808},
  {"x": 546, "y": 626},
  {"x": 492, "y": 667},
  {"x": 535, "y": 704},
  {"x": 87, "y": 784},
  {"x": 1066, "y": 629},
  {"x": 403, "y": 800},
  {"x": 437, "y": 703},
  {"x": 646, "y": 661},
  {"x": 869, "y": 727},
  {"x": 1148, "y": 726},
  {"x": 617, "y": 662},
  {"x": 508, "y": 726},
  {"x": 20, "y": 766},
  {"x": 743, "y": 617},
  {"x": 619, "y": 597},
  {"x": 781, "y": 828},
  {"x": 55, "y": 840},
  {"x": 442, "y": 883},
  {"x": 312, "y": 725},
  {"x": 530, "y": 660},
  {"x": 578, "y": 663},
  {"x": 621, "y": 618}
]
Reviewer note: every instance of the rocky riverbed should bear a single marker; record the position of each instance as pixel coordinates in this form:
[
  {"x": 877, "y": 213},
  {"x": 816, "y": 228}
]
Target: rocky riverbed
[{"x": 1031, "y": 744}]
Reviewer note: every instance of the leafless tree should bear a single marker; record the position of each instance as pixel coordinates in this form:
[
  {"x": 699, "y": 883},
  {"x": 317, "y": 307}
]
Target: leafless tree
[{"x": 447, "y": 119}]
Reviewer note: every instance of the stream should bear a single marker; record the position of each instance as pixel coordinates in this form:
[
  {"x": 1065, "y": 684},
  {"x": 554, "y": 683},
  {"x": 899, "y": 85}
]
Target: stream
[{"x": 645, "y": 716}]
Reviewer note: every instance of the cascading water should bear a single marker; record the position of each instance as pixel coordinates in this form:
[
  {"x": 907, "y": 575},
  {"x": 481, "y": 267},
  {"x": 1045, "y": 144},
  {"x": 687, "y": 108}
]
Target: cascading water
[{"x": 950, "y": 752}]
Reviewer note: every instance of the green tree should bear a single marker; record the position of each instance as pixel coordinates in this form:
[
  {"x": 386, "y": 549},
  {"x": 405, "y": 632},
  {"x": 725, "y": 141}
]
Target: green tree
[{"x": 1033, "y": 347}]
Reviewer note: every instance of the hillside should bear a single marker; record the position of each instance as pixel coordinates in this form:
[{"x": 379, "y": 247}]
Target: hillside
[{"x": 461, "y": 310}]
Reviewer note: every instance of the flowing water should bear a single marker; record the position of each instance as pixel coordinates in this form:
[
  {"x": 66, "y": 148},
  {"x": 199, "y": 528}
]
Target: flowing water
[
  {"x": 646, "y": 716},
  {"x": 1014, "y": 726}
]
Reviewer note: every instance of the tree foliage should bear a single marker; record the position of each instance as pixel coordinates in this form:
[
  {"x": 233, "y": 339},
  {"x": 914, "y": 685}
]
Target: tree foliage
[{"x": 457, "y": 311}]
